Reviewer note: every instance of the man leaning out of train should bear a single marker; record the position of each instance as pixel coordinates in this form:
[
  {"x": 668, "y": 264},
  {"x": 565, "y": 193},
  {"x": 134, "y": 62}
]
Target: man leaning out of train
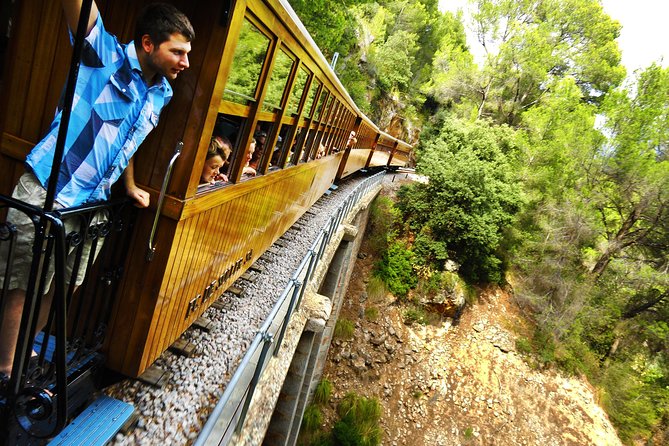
[{"x": 133, "y": 80}]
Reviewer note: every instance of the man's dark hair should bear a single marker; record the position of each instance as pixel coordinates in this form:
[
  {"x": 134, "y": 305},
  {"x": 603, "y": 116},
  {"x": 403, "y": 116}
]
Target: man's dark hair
[{"x": 160, "y": 21}]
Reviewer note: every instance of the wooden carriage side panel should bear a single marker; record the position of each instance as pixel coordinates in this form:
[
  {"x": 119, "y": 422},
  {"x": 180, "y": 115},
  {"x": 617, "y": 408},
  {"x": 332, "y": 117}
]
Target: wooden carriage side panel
[
  {"x": 138, "y": 292},
  {"x": 41, "y": 85},
  {"x": 16, "y": 82},
  {"x": 22, "y": 49},
  {"x": 216, "y": 241},
  {"x": 357, "y": 159}
]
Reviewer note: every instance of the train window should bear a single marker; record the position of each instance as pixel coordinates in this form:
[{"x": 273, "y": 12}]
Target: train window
[
  {"x": 328, "y": 114},
  {"x": 283, "y": 65},
  {"x": 308, "y": 146},
  {"x": 229, "y": 128},
  {"x": 298, "y": 92},
  {"x": 261, "y": 135},
  {"x": 321, "y": 105},
  {"x": 298, "y": 140},
  {"x": 280, "y": 151},
  {"x": 247, "y": 64},
  {"x": 313, "y": 91}
]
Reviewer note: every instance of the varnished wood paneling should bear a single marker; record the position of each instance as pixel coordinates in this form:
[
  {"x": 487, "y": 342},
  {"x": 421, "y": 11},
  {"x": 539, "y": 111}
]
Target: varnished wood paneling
[
  {"x": 357, "y": 159},
  {"x": 199, "y": 236},
  {"x": 240, "y": 223}
]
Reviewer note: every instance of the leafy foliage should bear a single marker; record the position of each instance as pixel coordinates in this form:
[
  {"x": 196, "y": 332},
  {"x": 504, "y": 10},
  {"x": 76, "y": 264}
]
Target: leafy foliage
[
  {"x": 396, "y": 270},
  {"x": 538, "y": 162},
  {"x": 471, "y": 196}
]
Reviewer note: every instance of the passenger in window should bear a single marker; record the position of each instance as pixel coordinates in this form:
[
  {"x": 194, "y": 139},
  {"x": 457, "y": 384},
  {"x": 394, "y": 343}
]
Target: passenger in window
[
  {"x": 321, "y": 151},
  {"x": 260, "y": 139},
  {"x": 215, "y": 160},
  {"x": 352, "y": 140},
  {"x": 249, "y": 171},
  {"x": 227, "y": 149}
]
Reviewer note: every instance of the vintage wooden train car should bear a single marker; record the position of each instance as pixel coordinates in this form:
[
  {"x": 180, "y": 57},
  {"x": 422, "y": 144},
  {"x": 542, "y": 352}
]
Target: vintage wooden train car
[{"x": 255, "y": 74}]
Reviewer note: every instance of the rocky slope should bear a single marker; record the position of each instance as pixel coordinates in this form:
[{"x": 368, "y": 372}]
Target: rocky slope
[{"x": 449, "y": 383}]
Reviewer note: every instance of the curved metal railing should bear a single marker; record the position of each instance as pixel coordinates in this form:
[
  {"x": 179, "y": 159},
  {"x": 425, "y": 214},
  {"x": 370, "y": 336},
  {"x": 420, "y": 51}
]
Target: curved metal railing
[{"x": 230, "y": 412}]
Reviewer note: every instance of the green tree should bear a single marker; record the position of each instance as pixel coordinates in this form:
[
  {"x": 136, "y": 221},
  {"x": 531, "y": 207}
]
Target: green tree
[
  {"x": 632, "y": 197},
  {"x": 471, "y": 196},
  {"x": 529, "y": 43}
]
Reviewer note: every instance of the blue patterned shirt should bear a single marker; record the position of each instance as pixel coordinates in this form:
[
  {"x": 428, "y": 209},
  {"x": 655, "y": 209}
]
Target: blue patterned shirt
[{"x": 113, "y": 111}]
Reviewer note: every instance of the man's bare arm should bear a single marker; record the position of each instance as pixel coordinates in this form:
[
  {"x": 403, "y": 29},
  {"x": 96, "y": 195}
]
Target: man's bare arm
[
  {"x": 72, "y": 9},
  {"x": 140, "y": 196}
]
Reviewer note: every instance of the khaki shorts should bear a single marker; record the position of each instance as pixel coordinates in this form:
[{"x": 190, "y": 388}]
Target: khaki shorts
[{"x": 29, "y": 190}]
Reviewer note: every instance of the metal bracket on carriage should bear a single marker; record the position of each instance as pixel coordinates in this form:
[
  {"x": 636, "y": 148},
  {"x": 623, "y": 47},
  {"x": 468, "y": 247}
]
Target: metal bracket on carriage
[{"x": 193, "y": 305}]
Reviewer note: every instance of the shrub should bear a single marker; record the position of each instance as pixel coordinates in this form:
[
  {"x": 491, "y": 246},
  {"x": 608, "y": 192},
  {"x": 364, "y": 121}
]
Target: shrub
[
  {"x": 395, "y": 268},
  {"x": 371, "y": 313},
  {"x": 344, "y": 329},
  {"x": 323, "y": 392},
  {"x": 471, "y": 197},
  {"x": 359, "y": 423},
  {"x": 376, "y": 289},
  {"x": 523, "y": 346},
  {"x": 382, "y": 221},
  {"x": 544, "y": 346},
  {"x": 628, "y": 402},
  {"x": 415, "y": 314},
  {"x": 312, "y": 418}
]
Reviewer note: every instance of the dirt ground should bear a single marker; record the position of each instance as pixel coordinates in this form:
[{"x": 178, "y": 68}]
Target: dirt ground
[{"x": 457, "y": 383}]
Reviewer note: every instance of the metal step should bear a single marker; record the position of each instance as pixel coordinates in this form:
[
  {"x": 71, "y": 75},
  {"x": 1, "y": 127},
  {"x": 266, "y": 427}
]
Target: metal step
[{"x": 96, "y": 425}]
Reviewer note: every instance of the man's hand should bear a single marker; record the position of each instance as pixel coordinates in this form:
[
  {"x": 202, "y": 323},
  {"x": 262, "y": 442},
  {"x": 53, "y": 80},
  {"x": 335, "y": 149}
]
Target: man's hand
[{"x": 140, "y": 196}]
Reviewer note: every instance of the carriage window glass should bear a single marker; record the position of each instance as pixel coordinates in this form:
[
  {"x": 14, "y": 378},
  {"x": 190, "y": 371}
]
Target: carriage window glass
[
  {"x": 246, "y": 65},
  {"x": 278, "y": 159},
  {"x": 298, "y": 91},
  {"x": 298, "y": 143},
  {"x": 308, "y": 106},
  {"x": 261, "y": 135},
  {"x": 277, "y": 82},
  {"x": 321, "y": 103},
  {"x": 328, "y": 110}
]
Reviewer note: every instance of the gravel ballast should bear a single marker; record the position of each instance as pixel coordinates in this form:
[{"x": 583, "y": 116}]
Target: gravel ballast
[{"x": 176, "y": 412}]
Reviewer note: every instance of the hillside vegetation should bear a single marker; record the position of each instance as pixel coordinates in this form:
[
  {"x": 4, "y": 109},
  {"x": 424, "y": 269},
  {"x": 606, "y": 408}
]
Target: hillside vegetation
[{"x": 548, "y": 171}]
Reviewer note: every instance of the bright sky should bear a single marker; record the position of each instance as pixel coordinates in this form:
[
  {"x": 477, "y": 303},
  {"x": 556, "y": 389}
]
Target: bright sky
[{"x": 644, "y": 37}]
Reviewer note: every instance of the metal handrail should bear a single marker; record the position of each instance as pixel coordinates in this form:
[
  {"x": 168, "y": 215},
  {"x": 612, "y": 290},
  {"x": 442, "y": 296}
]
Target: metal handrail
[
  {"x": 159, "y": 206},
  {"x": 295, "y": 289},
  {"x": 68, "y": 100}
]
